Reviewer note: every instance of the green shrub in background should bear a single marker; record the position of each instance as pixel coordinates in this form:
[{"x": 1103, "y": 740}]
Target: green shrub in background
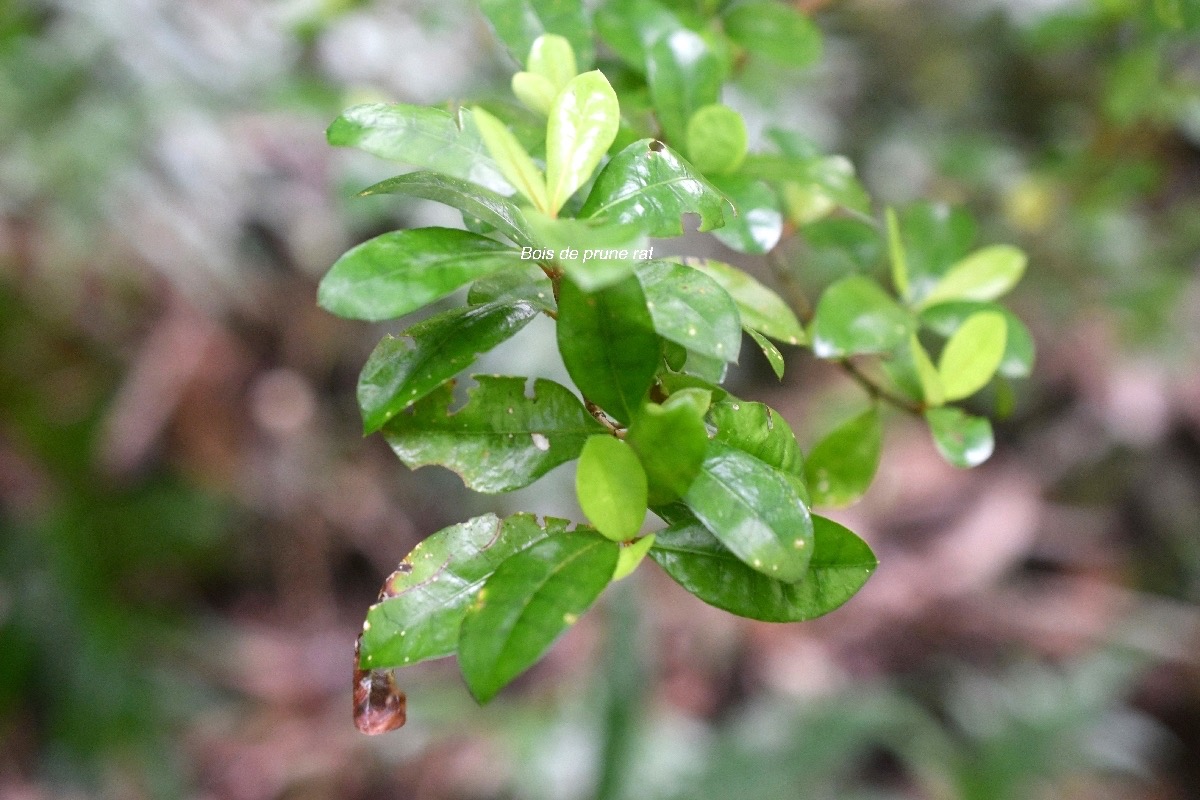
[{"x": 565, "y": 196}]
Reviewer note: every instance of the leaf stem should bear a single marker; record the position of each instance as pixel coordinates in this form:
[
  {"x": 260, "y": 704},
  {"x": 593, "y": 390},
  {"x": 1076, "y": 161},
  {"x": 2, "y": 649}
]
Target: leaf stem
[
  {"x": 879, "y": 392},
  {"x": 603, "y": 418}
]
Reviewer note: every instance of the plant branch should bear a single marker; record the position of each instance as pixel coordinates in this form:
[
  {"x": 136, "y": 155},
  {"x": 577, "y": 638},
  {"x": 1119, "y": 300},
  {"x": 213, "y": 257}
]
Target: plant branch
[{"x": 879, "y": 392}]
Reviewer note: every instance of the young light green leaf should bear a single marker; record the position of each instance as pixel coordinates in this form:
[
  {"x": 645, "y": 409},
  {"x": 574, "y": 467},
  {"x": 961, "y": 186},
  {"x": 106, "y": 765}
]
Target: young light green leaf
[
  {"x": 647, "y": 183},
  {"x": 501, "y": 439},
  {"x": 684, "y": 75},
  {"x": 534, "y": 91},
  {"x": 927, "y": 374},
  {"x": 527, "y": 603},
  {"x": 552, "y": 58},
  {"x": 691, "y": 309},
  {"x": 775, "y": 31},
  {"x": 593, "y": 253},
  {"x": 716, "y": 139},
  {"x": 774, "y": 357},
  {"x": 963, "y": 440},
  {"x": 983, "y": 275},
  {"x": 897, "y": 256},
  {"x": 856, "y": 316},
  {"x": 755, "y": 510},
  {"x": 608, "y": 344},
  {"x": 671, "y": 440},
  {"x": 402, "y": 370},
  {"x": 758, "y": 226},
  {"x": 759, "y": 430},
  {"x": 402, "y": 271},
  {"x": 841, "y": 563},
  {"x": 842, "y": 465},
  {"x": 426, "y": 138},
  {"x": 611, "y": 487},
  {"x": 1019, "y": 348},
  {"x": 512, "y": 159},
  {"x": 631, "y": 556},
  {"x": 519, "y": 23},
  {"x": 496, "y": 210},
  {"x": 583, "y": 124},
  {"x": 973, "y": 354},
  {"x": 422, "y": 603},
  {"x": 761, "y": 309}
]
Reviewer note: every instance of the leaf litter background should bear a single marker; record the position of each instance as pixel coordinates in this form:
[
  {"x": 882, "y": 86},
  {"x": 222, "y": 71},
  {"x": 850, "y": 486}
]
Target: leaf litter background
[{"x": 191, "y": 527}]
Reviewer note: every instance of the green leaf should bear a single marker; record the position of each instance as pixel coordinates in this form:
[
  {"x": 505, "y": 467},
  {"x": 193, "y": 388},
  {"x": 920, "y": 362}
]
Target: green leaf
[
  {"x": 426, "y": 138},
  {"x": 855, "y": 316},
  {"x": 402, "y": 271},
  {"x": 821, "y": 183},
  {"x": 527, "y": 603},
  {"x": 501, "y": 213},
  {"x": 963, "y": 440},
  {"x": 758, "y": 430},
  {"x": 534, "y": 91},
  {"x": 593, "y": 253},
  {"x": 629, "y": 27},
  {"x": 774, "y": 357},
  {"x": 423, "y": 602},
  {"x": 512, "y": 159},
  {"x": 1019, "y": 348},
  {"x": 684, "y": 75},
  {"x": 716, "y": 139},
  {"x": 608, "y": 344},
  {"x": 631, "y": 556},
  {"x": 775, "y": 31},
  {"x": 649, "y": 184},
  {"x": 755, "y": 510},
  {"x": 758, "y": 225},
  {"x": 671, "y": 440},
  {"x": 583, "y": 124},
  {"x": 691, "y": 309},
  {"x": 552, "y": 57},
  {"x": 697, "y": 561},
  {"x": 927, "y": 374},
  {"x": 897, "y": 256},
  {"x": 611, "y": 486},
  {"x": 761, "y": 309},
  {"x": 986, "y": 274},
  {"x": 519, "y": 23},
  {"x": 501, "y": 439},
  {"x": 842, "y": 465},
  {"x": 529, "y": 285},
  {"x": 935, "y": 237},
  {"x": 404, "y": 369},
  {"x": 973, "y": 354}
]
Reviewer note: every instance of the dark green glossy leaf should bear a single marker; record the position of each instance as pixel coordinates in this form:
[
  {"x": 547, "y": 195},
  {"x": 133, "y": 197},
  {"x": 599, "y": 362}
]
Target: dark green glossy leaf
[
  {"x": 629, "y": 27},
  {"x": 647, "y": 183},
  {"x": 426, "y": 138},
  {"x": 841, "y": 564},
  {"x": 593, "y": 253},
  {"x": 775, "y": 31},
  {"x": 608, "y": 344},
  {"x": 758, "y": 430},
  {"x": 842, "y": 465},
  {"x": 691, "y": 309},
  {"x": 761, "y": 309},
  {"x": 518, "y": 23},
  {"x": 501, "y": 439},
  {"x": 501, "y": 213},
  {"x": 402, "y": 271},
  {"x": 684, "y": 74},
  {"x": 755, "y": 510},
  {"x": 529, "y": 285},
  {"x": 527, "y": 603},
  {"x": 971, "y": 357},
  {"x": 671, "y": 440},
  {"x": 423, "y": 602},
  {"x": 1019, "y": 349},
  {"x": 758, "y": 225},
  {"x": 404, "y": 369},
  {"x": 716, "y": 139},
  {"x": 963, "y": 440},
  {"x": 582, "y": 126},
  {"x": 774, "y": 357},
  {"x": 611, "y": 487},
  {"x": 856, "y": 316}
]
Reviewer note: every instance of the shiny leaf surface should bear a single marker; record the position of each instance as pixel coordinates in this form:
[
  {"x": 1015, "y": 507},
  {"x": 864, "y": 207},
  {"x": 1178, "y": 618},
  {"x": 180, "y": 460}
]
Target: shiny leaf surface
[
  {"x": 671, "y": 440},
  {"x": 775, "y": 31},
  {"x": 973, "y": 354},
  {"x": 691, "y": 309},
  {"x": 1019, "y": 348},
  {"x": 761, "y": 309},
  {"x": 611, "y": 487},
  {"x": 518, "y": 23},
  {"x": 985, "y": 274},
  {"x": 758, "y": 225},
  {"x": 856, "y": 316},
  {"x": 512, "y": 159},
  {"x": 684, "y": 75},
  {"x": 963, "y": 440},
  {"x": 842, "y": 465},
  {"x": 583, "y": 124},
  {"x": 770, "y": 351}
]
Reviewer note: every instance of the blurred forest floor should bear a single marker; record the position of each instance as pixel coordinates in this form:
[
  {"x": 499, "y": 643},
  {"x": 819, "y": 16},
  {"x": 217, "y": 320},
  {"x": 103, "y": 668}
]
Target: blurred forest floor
[{"x": 191, "y": 526}]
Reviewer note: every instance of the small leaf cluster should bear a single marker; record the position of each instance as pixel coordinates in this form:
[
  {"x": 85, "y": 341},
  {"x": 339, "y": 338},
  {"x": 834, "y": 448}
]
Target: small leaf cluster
[{"x": 561, "y": 195}]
